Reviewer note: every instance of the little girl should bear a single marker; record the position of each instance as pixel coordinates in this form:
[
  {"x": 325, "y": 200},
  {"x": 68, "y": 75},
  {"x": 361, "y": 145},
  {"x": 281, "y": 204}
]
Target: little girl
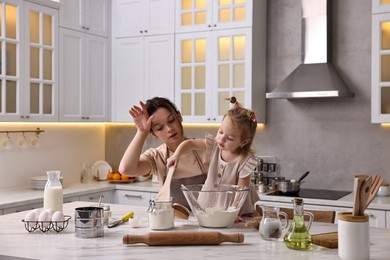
[{"x": 231, "y": 159}]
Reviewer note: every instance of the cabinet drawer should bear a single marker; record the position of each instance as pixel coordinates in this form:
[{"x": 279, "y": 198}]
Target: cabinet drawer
[
  {"x": 107, "y": 197},
  {"x": 22, "y": 208},
  {"x": 135, "y": 198},
  {"x": 377, "y": 217}
]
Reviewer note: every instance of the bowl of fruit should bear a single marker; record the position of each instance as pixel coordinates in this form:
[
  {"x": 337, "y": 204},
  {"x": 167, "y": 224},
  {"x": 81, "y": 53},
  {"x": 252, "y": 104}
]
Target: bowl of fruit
[{"x": 117, "y": 177}]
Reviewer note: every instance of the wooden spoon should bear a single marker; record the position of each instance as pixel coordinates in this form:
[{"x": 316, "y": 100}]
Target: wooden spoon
[
  {"x": 377, "y": 181},
  {"x": 165, "y": 191},
  {"x": 364, "y": 191},
  {"x": 359, "y": 179}
]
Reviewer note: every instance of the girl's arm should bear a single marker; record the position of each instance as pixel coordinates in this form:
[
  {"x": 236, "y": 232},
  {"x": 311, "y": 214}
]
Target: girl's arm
[
  {"x": 131, "y": 164},
  {"x": 184, "y": 148},
  {"x": 244, "y": 182}
]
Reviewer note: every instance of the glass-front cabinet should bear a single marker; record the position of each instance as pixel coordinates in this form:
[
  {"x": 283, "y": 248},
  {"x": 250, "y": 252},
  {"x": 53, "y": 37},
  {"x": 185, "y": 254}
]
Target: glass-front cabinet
[
  {"x": 381, "y": 65},
  {"x": 211, "y": 68},
  {"x": 28, "y": 71},
  {"x": 214, "y": 64},
  {"x": 203, "y": 15},
  {"x": 380, "y": 6}
]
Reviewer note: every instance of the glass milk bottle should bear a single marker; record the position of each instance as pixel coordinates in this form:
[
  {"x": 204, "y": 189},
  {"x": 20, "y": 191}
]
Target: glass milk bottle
[{"x": 53, "y": 196}]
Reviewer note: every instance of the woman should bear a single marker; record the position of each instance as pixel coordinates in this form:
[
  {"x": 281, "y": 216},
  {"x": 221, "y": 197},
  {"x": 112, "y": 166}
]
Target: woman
[{"x": 160, "y": 118}]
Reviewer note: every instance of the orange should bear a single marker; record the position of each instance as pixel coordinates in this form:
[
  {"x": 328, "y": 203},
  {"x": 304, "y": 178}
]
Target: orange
[
  {"x": 125, "y": 178},
  {"x": 110, "y": 175},
  {"x": 116, "y": 176}
]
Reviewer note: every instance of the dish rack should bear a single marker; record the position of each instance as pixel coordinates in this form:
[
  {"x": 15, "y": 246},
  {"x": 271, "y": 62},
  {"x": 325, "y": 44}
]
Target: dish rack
[{"x": 45, "y": 226}]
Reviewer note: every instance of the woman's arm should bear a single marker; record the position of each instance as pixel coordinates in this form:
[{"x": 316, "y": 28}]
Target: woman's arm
[
  {"x": 184, "y": 148},
  {"x": 131, "y": 164}
]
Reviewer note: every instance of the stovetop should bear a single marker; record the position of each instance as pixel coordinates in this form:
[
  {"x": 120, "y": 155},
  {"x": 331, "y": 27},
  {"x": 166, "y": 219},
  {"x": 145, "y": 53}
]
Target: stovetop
[{"x": 314, "y": 194}]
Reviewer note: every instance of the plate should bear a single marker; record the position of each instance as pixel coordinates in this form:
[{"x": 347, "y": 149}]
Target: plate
[
  {"x": 121, "y": 181},
  {"x": 100, "y": 169}
]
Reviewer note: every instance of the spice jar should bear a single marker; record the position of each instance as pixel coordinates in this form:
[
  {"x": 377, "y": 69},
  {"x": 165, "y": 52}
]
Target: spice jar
[{"x": 161, "y": 214}]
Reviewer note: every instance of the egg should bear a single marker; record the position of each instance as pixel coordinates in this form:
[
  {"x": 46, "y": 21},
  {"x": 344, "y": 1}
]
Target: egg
[
  {"x": 58, "y": 216},
  {"x": 31, "y": 217},
  {"x": 44, "y": 218},
  {"x": 37, "y": 212},
  {"x": 51, "y": 212},
  {"x": 135, "y": 222}
]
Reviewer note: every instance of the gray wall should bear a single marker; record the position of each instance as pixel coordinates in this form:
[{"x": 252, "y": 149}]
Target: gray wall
[{"x": 333, "y": 138}]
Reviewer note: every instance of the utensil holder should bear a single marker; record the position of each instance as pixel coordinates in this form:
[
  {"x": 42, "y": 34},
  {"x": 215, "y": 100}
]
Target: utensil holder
[{"x": 353, "y": 236}]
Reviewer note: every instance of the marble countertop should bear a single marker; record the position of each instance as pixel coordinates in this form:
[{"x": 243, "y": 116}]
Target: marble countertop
[
  {"x": 27, "y": 195},
  {"x": 15, "y": 241}
]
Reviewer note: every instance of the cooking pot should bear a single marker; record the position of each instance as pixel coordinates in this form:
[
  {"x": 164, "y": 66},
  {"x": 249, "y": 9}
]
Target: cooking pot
[{"x": 291, "y": 186}]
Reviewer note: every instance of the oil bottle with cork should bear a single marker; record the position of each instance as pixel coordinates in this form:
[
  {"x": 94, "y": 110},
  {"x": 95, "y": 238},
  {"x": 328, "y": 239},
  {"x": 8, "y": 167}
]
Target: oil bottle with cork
[{"x": 298, "y": 237}]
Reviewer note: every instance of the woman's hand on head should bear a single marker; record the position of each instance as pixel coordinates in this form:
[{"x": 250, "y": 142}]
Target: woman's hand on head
[{"x": 141, "y": 118}]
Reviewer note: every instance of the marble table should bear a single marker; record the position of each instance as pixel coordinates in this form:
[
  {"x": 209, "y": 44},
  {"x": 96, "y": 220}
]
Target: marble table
[{"x": 16, "y": 242}]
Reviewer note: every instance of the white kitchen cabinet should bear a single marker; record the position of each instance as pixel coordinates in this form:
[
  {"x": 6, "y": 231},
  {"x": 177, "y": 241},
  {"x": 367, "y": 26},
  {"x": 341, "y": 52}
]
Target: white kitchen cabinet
[
  {"x": 213, "y": 66},
  {"x": 22, "y": 208},
  {"x": 84, "y": 77},
  {"x": 71, "y": 199},
  {"x": 107, "y": 197},
  {"x": 134, "y": 198},
  {"x": 377, "y": 218},
  {"x": 380, "y": 6},
  {"x": 143, "y": 17},
  {"x": 143, "y": 67},
  {"x": 28, "y": 63},
  {"x": 192, "y": 16},
  {"x": 90, "y": 16},
  {"x": 380, "y": 68}
]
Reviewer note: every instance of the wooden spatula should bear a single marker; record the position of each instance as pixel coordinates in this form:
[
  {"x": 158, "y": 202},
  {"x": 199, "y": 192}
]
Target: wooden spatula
[
  {"x": 364, "y": 191},
  {"x": 359, "y": 179},
  {"x": 377, "y": 181},
  {"x": 165, "y": 191}
]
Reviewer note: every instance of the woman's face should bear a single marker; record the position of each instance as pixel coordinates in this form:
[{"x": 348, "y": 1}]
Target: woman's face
[
  {"x": 228, "y": 136},
  {"x": 166, "y": 127}
]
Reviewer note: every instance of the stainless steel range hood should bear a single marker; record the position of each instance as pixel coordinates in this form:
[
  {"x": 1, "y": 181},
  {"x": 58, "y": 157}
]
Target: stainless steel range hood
[{"x": 315, "y": 77}]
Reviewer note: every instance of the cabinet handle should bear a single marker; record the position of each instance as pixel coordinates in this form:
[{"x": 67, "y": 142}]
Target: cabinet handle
[
  {"x": 133, "y": 196},
  {"x": 83, "y": 27},
  {"x": 146, "y": 31},
  {"x": 85, "y": 117},
  {"x": 21, "y": 116},
  {"x": 87, "y": 28},
  {"x": 141, "y": 31},
  {"x": 98, "y": 197},
  {"x": 209, "y": 25},
  {"x": 371, "y": 216},
  {"x": 215, "y": 25},
  {"x": 27, "y": 116}
]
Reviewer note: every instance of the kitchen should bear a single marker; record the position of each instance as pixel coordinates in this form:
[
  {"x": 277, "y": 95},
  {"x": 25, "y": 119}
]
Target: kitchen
[{"x": 333, "y": 138}]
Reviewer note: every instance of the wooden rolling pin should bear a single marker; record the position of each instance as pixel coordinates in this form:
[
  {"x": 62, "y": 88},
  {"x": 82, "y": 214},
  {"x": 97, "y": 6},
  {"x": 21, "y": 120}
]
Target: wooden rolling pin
[{"x": 183, "y": 238}]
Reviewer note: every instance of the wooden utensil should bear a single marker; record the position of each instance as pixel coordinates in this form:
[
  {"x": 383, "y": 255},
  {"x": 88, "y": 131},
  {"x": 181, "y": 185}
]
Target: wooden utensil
[
  {"x": 183, "y": 238},
  {"x": 165, "y": 191},
  {"x": 377, "y": 181},
  {"x": 364, "y": 191},
  {"x": 357, "y": 188}
]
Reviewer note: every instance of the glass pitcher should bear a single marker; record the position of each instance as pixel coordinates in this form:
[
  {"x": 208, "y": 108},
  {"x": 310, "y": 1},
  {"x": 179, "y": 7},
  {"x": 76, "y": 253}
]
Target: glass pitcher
[
  {"x": 272, "y": 223},
  {"x": 298, "y": 237}
]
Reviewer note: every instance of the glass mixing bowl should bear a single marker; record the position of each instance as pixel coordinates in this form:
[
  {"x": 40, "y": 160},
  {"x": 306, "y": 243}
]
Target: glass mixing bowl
[{"x": 215, "y": 207}]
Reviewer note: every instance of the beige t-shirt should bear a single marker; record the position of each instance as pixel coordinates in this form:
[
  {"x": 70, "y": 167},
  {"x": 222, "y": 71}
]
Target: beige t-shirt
[
  {"x": 221, "y": 172},
  {"x": 191, "y": 169}
]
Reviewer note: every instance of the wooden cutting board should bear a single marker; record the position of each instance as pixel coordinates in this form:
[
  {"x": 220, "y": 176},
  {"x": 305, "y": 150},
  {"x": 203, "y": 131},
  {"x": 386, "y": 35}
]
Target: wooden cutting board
[{"x": 329, "y": 240}]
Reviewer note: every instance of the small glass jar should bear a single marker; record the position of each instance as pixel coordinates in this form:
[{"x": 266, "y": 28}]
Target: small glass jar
[
  {"x": 161, "y": 214},
  {"x": 106, "y": 212}
]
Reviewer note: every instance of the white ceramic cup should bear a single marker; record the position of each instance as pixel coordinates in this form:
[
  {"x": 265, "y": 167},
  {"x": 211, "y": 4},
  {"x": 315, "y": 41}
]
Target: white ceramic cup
[
  {"x": 34, "y": 142},
  {"x": 353, "y": 236},
  {"x": 6, "y": 143},
  {"x": 22, "y": 142}
]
